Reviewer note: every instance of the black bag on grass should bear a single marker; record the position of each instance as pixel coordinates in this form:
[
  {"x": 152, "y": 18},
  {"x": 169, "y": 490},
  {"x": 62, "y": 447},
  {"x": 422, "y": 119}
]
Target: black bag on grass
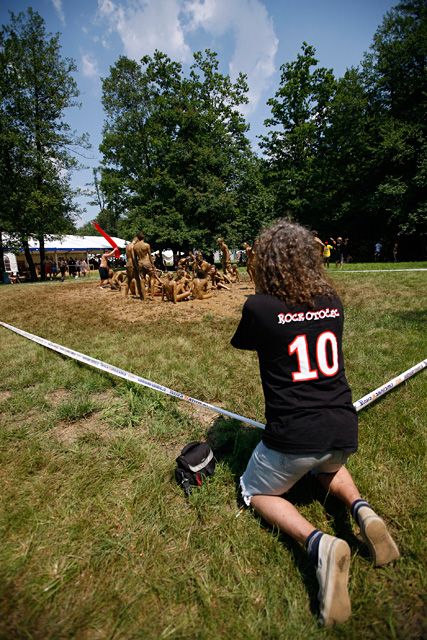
[{"x": 195, "y": 464}]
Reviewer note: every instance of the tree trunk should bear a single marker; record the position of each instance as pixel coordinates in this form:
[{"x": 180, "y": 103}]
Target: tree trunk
[
  {"x": 42, "y": 256},
  {"x": 2, "y": 270},
  {"x": 29, "y": 259}
]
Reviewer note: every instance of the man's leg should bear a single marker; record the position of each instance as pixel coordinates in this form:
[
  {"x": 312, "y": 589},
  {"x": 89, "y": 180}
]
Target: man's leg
[
  {"x": 381, "y": 545},
  {"x": 341, "y": 485},
  {"x": 152, "y": 281},
  {"x": 279, "y": 512},
  {"x": 143, "y": 280},
  {"x": 332, "y": 557}
]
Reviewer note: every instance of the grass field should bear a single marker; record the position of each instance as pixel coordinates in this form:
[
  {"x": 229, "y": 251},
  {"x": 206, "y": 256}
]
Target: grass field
[{"x": 98, "y": 542}]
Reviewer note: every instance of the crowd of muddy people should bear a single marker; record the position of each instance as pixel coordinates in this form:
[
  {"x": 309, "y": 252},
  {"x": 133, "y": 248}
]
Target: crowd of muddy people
[{"x": 195, "y": 278}]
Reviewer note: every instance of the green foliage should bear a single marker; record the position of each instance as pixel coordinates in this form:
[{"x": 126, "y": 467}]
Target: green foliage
[
  {"x": 398, "y": 71},
  {"x": 87, "y": 229},
  {"x": 103, "y": 196},
  {"x": 300, "y": 117},
  {"x": 174, "y": 149},
  {"x": 36, "y": 86},
  {"x": 353, "y": 151},
  {"x": 256, "y": 202}
]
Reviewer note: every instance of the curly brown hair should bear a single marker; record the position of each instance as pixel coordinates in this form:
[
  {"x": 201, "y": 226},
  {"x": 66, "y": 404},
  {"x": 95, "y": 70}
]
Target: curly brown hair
[{"x": 288, "y": 265}]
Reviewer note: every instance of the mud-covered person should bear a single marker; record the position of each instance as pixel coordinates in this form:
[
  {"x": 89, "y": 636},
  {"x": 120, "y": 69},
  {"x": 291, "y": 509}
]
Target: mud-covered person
[
  {"x": 146, "y": 267},
  {"x": 250, "y": 262},
  {"x": 131, "y": 272},
  {"x": 225, "y": 256},
  {"x": 295, "y": 323},
  {"x": 200, "y": 286},
  {"x": 219, "y": 279},
  {"x": 104, "y": 269}
]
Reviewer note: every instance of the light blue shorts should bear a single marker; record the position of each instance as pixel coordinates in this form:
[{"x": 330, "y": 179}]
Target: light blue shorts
[{"x": 272, "y": 473}]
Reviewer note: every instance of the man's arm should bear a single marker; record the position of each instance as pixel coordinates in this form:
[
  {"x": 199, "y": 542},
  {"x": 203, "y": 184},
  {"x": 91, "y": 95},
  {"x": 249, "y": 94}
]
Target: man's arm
[
  {"x": 244, "y": 337},
  {"x": 150, "y": 256}
]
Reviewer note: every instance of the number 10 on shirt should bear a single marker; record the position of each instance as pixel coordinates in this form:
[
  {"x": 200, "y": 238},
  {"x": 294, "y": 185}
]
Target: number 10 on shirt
[{"x": 300, "y": 347}]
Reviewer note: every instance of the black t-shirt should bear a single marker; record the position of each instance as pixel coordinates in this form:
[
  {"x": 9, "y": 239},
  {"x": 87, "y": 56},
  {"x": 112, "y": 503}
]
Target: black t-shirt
[{"x": 308, "y": 406}]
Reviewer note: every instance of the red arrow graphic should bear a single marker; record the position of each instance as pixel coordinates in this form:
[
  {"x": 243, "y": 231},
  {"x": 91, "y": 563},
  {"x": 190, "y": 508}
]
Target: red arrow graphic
[{"x": 108, "y": 239}]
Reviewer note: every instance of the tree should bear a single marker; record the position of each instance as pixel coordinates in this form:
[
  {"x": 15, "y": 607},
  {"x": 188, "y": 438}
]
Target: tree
[
  {"x": 397, "y": 69},
  {"x": 172, "y": 146},
  {"x": 300, "y": 117},
  {"x": 375, "y": 146},
  {"x": 346, "y": 159},
  {"x": 353, "y": 152},
  {"x": 36, "y": 144},
  {"x": 398, "y": 59},
  {"x": 103, "y": 195},
  {"x": 256, "y": 202}
]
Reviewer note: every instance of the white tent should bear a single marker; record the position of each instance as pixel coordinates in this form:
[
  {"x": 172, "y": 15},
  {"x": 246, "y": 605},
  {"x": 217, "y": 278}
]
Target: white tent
[
  {"x": 63, "y": 247},
  {"x": 67, "y": 244}
]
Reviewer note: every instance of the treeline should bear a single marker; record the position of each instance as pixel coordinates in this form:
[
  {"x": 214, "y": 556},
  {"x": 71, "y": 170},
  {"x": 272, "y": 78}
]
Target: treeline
[
  {"x": 36, "y": 143},
  {"x": 345, "y": 156}
]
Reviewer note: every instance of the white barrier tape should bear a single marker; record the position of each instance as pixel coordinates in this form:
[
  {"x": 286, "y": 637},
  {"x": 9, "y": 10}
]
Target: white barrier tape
[
  {"x": 363, "y": 402},
  {"x": 121, "y": 373},
  {"x": 374, "y": 270}
]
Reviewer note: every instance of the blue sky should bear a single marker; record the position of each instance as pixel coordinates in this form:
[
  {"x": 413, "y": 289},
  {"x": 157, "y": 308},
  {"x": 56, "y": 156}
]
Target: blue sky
[{"x": 252, "y": 36}]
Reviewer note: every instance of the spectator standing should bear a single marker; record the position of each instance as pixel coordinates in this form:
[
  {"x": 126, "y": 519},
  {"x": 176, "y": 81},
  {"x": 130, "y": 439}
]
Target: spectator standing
[
  {"x": 326, "y": 254},
  {"x": 378, "y": 251},
  {"x": 47, "y": 264},
  {"x": 62, "y": 268},
  {"x": 71, "y": 267},
  {"x": 339, "y": 251}
]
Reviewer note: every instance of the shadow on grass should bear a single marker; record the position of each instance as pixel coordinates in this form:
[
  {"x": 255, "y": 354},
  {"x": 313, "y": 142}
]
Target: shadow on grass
[
  {"x": 403, "y": 320},
  {"x": 233, "y": 443}
]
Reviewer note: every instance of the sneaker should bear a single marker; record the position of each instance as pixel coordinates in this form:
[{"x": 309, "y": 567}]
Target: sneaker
[
  {"x": 332, "y": 576},
  {"x": 373, "y": 530}
]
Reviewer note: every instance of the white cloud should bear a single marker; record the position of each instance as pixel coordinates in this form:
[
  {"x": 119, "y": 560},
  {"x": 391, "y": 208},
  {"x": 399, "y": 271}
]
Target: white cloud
[
  {"x": 58, "y": 6},
  {"x": 255, "y": 41},
  {"x": 90, "y": 66},
  {"x": 146, "y": 25}
]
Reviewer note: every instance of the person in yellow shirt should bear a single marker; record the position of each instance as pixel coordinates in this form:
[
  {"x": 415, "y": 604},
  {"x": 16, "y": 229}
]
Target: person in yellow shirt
[{"x": 326, "y": 254}]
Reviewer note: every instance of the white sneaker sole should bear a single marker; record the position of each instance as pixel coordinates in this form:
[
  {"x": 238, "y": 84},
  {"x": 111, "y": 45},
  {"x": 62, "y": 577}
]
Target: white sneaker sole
[
  {"x": 381, "y": 545},
  {"x": 336, "y": 607}
]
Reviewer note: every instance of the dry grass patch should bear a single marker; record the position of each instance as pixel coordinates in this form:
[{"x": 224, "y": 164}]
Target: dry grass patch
[
  {"x": 89, "y": 429},
  {"x": 57, "y": 397}
]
